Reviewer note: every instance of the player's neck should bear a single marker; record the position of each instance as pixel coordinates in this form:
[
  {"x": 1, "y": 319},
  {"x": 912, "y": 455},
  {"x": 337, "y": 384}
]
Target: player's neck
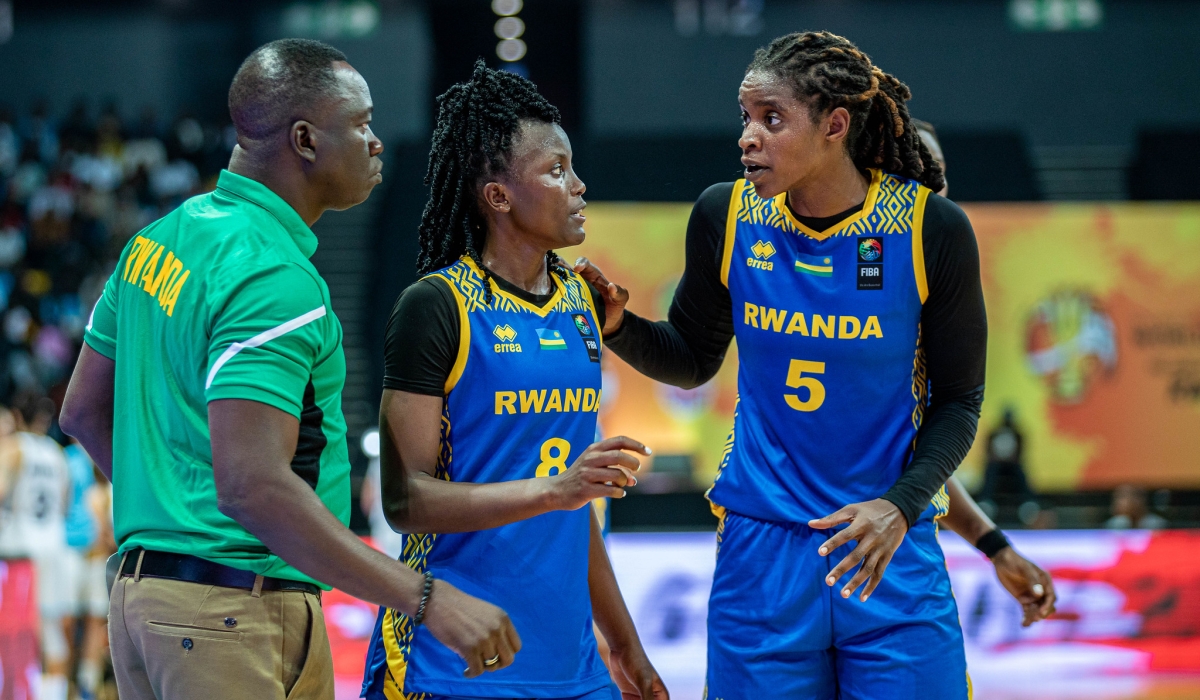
[
  {"x": 517, "y": 260},
  {"x": 829, "y": 191}
]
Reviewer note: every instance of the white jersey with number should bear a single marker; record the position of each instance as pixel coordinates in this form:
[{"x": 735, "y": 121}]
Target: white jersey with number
[{"x": 33, "y": 516}]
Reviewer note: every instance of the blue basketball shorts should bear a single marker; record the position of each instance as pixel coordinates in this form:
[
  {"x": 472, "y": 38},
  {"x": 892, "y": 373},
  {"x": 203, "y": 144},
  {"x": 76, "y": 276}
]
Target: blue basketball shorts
[
  {"x": 609, "y": 693},
  {"x": 776, "y": 630}
]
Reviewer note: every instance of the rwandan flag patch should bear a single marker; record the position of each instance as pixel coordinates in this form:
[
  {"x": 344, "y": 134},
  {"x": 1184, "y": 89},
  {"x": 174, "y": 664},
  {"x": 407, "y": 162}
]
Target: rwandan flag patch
[
  {"x": 550, "y": 339},
  {"x": 819, "y": 265}
]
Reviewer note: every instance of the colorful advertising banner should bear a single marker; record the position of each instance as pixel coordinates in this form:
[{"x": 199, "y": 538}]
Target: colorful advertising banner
[
  {"x": 1094, "y": 340},
  {"x": 1127, "y": 625}
]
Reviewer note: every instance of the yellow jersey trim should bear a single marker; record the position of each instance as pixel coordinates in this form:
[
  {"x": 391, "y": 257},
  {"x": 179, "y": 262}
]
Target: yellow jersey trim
[
  {"x": 868, "y": 206},
  {"x": 464, "y": 339},
  {"x": 918, "y": 242},
  {"x": 540, "y": 311},
  {"x": 735, "y": 203}
]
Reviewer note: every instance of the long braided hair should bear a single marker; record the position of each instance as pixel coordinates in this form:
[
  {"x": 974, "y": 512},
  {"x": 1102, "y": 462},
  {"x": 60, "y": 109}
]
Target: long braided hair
[
  {"x": 472, "y": 141},
  {"x": 828, "y": 71}
]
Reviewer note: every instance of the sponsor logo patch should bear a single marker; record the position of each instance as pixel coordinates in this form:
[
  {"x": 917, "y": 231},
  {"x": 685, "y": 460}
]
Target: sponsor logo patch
[
  {"x": 870, "y": 276},
  {"x": 506, "y": 335},
  {"x": 762, "y": 250},
  {"x": 588, "y": 335}
]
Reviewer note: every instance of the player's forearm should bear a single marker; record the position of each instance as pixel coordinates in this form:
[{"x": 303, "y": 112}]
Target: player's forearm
[
  {"x": 659, "y": 350},
  {"x": 286, "y": 515},
  {"x": 94, "y": 431},
  {"x": 608, "y": 606},
  {"x": 942, "y": 444},
  {"x": 964, "y": 517},
  {"x": 438, "y": 506}
]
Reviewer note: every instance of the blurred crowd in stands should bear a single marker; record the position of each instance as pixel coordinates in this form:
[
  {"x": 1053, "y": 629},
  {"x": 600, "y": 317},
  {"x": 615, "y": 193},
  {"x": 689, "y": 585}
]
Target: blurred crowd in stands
[{"x": 74, "y": 188}]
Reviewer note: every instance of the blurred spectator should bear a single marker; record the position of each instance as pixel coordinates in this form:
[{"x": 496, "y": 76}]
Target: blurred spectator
[
  {"x": 1005, "y": 480},
  {"x": 72, "y": 193},
  {"x": 1131, "y": 510},
  {"x": 34, "y": 470},
  {"x": 89, "y": 537}
]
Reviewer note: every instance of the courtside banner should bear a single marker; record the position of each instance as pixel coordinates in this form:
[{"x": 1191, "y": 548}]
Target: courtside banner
[
  {"x": 20, "y": 671},
  {"x": 1094, "y": 338},
  {"x": 1127, "y": 626}
]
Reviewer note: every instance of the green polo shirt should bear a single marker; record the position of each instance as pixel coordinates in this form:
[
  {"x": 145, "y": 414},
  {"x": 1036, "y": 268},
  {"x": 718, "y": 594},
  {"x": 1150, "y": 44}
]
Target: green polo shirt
[{"x": 217, "y": 300}]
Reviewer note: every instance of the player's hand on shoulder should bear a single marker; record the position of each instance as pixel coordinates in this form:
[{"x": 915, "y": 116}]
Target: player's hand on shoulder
[
  {"x": 604, "y": 470},
  {"x": 615, "y": 296},
  {"x": 1028, "y": 583},
  {"x": 474, "y": 629},
  {"x": 879, "y": 527}
]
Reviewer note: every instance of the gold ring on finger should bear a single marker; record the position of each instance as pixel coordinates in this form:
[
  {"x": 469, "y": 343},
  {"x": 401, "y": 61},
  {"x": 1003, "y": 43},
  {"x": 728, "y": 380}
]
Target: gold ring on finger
[{"x": 492, "y": 661}]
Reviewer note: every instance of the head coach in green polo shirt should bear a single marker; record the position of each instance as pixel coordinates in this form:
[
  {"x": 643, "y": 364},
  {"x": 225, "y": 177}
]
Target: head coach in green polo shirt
[{"x": 209, "y": 391}]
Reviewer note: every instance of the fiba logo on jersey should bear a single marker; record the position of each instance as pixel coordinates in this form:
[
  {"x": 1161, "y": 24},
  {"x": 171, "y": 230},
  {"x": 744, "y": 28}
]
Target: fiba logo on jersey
[
  {"x": 870, "y": 263},
  {"x": 870, "y": 250}
]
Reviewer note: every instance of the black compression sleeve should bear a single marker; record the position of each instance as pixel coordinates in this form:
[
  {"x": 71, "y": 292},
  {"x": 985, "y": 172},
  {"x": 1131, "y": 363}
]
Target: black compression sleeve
[
  {"x": 421, "y": 341},
  {"x": 688, "y": 348},
  {"x": 954, "y": 335}
]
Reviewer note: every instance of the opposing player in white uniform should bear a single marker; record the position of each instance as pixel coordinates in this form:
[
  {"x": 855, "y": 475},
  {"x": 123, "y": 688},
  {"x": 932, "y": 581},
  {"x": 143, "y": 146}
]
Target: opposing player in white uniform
[{"x": 34, "y": 486}]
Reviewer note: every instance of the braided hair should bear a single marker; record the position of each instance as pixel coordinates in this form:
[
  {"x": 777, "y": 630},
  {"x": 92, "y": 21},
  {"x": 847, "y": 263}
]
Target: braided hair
[
  {"x": 472, "y": 141},
  {"x": 828, "y": 71}
]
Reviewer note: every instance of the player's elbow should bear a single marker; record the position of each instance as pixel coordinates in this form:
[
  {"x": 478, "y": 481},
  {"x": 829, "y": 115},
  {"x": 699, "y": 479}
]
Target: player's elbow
[{"x": 399, "y": 516}]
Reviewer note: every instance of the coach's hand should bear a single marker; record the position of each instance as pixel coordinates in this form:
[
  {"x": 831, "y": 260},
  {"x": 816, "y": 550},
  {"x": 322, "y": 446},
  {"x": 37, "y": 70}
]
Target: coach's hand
[
  {"x": 1026, "y": 582},
  {"x": 615, "y": 296},
  {"x": 602, "y": 471},
  {"x": 474, "y": 629},
  {"x": 879, "y": 527}
]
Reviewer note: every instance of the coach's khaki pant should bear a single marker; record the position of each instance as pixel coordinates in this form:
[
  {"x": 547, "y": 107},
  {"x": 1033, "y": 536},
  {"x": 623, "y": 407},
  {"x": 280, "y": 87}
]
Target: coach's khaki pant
[{"x": 173, "y": 640}]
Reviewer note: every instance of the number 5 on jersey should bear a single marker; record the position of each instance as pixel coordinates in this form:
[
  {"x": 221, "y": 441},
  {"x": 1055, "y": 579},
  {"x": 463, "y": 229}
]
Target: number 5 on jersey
[
  {"x": 796, "y": 379},
  {"x": 554, "y": 457}
]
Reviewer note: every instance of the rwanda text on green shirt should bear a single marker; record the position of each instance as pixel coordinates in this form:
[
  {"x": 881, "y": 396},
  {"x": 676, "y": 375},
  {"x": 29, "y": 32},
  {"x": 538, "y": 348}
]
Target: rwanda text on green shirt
[{"x": 217, "y": 300}]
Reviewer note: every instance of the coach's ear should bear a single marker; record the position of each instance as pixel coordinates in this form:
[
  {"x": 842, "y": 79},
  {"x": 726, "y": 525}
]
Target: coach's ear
[{"x": 304, "y": 140}]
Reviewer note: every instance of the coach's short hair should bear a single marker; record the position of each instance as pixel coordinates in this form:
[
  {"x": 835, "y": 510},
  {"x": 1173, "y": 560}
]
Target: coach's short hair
[{"x": 277, "y": 81}]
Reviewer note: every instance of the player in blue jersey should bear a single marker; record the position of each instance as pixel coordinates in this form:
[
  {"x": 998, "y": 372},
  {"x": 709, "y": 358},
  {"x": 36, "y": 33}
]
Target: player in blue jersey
[
  {"x": 492, "y": 385},
  {"x": 855, "y": 297}
]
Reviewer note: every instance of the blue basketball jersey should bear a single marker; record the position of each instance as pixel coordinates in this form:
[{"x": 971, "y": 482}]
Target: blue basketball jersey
[
  {"x": 521, "y": 402},
  {"x": 831, "y": 382}
]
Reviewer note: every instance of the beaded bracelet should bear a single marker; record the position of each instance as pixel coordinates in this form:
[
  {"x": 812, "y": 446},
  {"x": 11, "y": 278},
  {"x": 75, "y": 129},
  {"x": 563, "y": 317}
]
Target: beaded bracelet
[
  {"x": 425, "y": 591},
  {"x": 991, "y": 543}
]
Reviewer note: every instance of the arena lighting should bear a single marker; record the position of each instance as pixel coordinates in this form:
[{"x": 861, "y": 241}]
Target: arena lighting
[
  {"x": 511, "y": 50},
  {"x": 507, "y": 8},
  {"x": 508, "y": 28},
  {"x": 370, "y": 443}
]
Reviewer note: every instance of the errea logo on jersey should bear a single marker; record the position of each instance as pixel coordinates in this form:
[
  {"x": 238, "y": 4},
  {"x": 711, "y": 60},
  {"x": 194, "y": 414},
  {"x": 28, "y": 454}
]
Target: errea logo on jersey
[
  {"x": 762, "y": 250},
  {"x": 506, "y": 335}
]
